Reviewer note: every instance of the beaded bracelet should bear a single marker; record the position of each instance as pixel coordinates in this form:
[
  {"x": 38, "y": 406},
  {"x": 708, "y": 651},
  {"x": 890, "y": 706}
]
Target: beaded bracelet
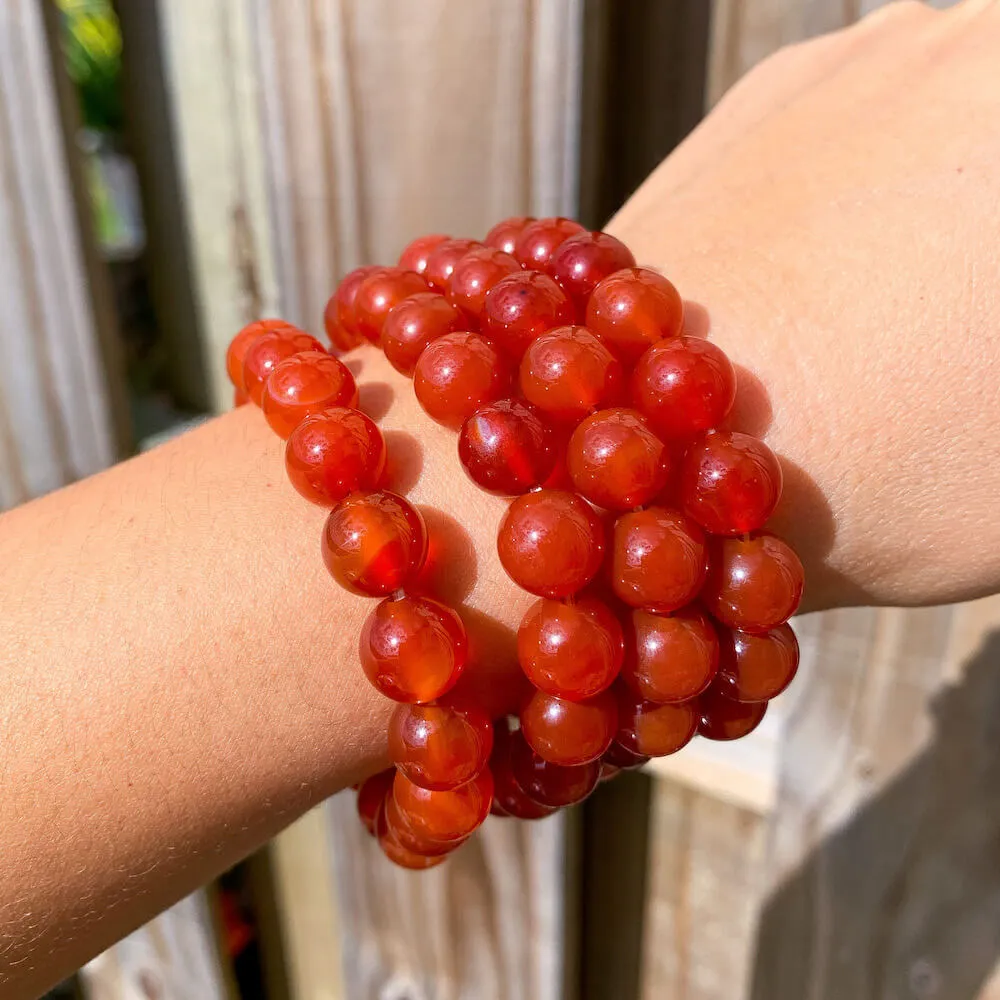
[{"x": 636, "y": 519}]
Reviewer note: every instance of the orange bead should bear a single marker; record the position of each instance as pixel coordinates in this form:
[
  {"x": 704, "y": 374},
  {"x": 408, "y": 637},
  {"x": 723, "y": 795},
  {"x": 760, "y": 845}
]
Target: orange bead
[
  {"x": 722, "y": 718},
  {"x": 521, "y": 307},
  {"x": 240, "y": 398},
  {"x": 240, "y": 344},
  {"x": 551, "y": 784},
  {"x": 509, "y": 799},
  {"x": 569, "y": 732},
  {"x": 268, "y": 351},
  {"x": 652, "y": 730},
  {"x": 416, "y": 253},
  {"x": 474, "y": 275},
  {"x": 372, "y": 794},
  {"x": 374, "y": 543},
  {"x": 413, "y": 649},
  {"x": 446, "y": 817},
  {"x": 757, "y": 667},
  {"x": 305, "y": 384},
  {"x": 503, "y": 236},
  {"x": 583, "y": 260},
  {"x": 671, "y": 658},
  {"x": 551, "y": 543},
  {"x": 413, "y": 324},
  {"x": 396, "y": 852},
  {"x": 378, "y": 293},
  {"x": 442, "y": 260},
  {"x": 341, "y": 338},
  {"x": 341, "y": 305},
  {"x": 334, "y": 453},
  {"x": 539, "y": 239},
  {"x": 400, "y": 829}
]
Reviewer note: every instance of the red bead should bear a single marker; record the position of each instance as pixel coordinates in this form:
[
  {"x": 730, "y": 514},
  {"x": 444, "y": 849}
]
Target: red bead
[
  {"x": 305, "y": 384},
  {"x": 333, "y": 453},
  {"x": 608, "y": 771},
  {"x": 583, "y": 260},
  {"x": 568, "y": 373},
  {"x": 374, "y": 543},
  {"x": 671, "y": 658},
  {"x": 622, "y": 758},
  {"x": 633, "y": 308},
  {"x": 440, "y": 746},
  {"x": 268, "y": 351},
  {"x": 721, "y": 718},
  {"x": 240, "y": 344},
  {"x": 539, "y": 240},
  {"x": 413, "y": 324},
  {"x": 521, "y": 307},
  {"x": 509, "y": 799},
  {"x": 474, "y": 275},
  {"x": 730, "y": 483},
  {"x": 341, "y": 304},
  {"x": 551, "y": 543},
  {"x": 753, "y": 584},
  {"x": 573, "y": 650},
  {"x": 652, "y": 730},
  {"x": 457, "y": 374},
  {"x": 506, "y": 448},
  {"x": 442, "y": 260},
  {"x": 757, "y": 667},
  {"x": 378, "y": 293},
  {"x": 444, "y": 817},
  {"x": 416, "y": 253},
  {"x": 569, "y": 732},
  {"x": 240, "y": 398},
  {"x": 413, "y": 649},
  {"x": 503, "y": 236},
  {"x": 399, "y": 829},
  {"x": 658, "y": 559},
  {"x": 396, "y": 852},
  {"x": 552, "y": 784},
  {"x": 372, "y": 794},
  {"x": 616, "y": 461},
  {"x": 341, "y": 339},
  {"x": 684, "y": 386}
]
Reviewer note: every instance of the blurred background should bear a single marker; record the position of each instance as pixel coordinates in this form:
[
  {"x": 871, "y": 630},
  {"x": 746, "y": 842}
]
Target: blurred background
[{"x": 170, "y": 170}]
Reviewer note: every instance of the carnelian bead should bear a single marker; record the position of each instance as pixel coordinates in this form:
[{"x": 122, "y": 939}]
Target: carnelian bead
[
  {"x": 552, "y": 784},
  {"x": 378, "y": 293},
  {"x": 722, "y": 718},
  {"x": 374, "y": 543},
  {"x": 305, "y": 384},
  {"x": 339, "y": 336},
  {"x": 658, "y": 559},
  {"x": 268, "y": 351},
  {"x": 653, "y": 730},
  {"x": 571, "y": 649},
  {"x": 372, "y": 794},
  {"x": 416, "y": 253},
  {"x": 333, "y": 453},
  {"x": 616, "y": 461},
  {"x": 440, "y": 746},
  {"x": 341, "y": 304},
  {"x": 444, "y": 817},
  {"x": 608, "y": 771},
  {"x": 622, "y": 758},
  {"x": 551, "y": 543},
  {"x": 474, "y": 275},
  {"x": 730, "y": 483},
  {"x": 240, "y": 398},
  {"x": 521, "y": 307},
  {"x": 506, "y": 448},
  {"x": 757, "y": 667},
  {"x": 401, "y": 830},
  {"x": 413, "y": 649},
  {"x": 396, "y": 852},
  {"x": 442, "y": 260},
  {"x": 240, "y": 344},
  {"x": 754, "y": 584},
  {"x": 509, "y": 799},
  {"x": 670, "y": 658},
  {"x": 633, "y": 308},
  {"x": 539, "y": 240},
  {"x": 413, "y": 324},
  {"x": 568, "y": 373},
  {"x": 583, "y": 260},
  {"x": 456, "y": 374},
  {"x": 503, "y": 236},
  {"x": 569, "y": 732}
]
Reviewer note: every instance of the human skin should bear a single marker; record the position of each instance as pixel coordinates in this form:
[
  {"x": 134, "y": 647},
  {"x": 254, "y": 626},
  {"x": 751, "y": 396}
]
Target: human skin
[{"x": 178, "y": 674}]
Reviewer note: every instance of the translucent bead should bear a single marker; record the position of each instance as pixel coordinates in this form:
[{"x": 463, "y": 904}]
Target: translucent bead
[
  {"x": 503, "y": 236},
  {"x": 444, "y": 817},
  {"x": 378, "y": 294},
  {"x": 341, "y": 305},
  {"x": 549, "y": 784},
  {"x": 569, "y": 732},
  {"x": 551, "y": 543},
  {"x": 721, "y": 718},
  {"x": 509, "y": 799},
  {"x": 340, "y": 338},
  {"x": 416, "y": 253},
  {"x": 372, "y": 794},
  {"x": 374, "y": 543},
  {"x": 757, "y": 667},
  {"x": 413, "y": 649},
  {"x": 413, "y": 324},
  {"x": 474, "y": 275},
  {"x": 334, "y": 453},
  {"x": 396, "y": 852},
  {"x": 521, "y": 307},
  {"x": 442, "y": 260},
  {"x": 304, "y": 384},
  {"x": 240, "y": 398},
  {"x": 268, "y": 351},
  {"x": 240, "y": 344},
  {"x": 539, "y": 239},
  {"x": 583, "y": 260},
  {"x": 622, "y": 758},
  {"x": 652, "y": 730}
]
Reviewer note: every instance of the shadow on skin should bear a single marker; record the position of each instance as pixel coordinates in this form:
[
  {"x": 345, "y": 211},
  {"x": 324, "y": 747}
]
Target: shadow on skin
[
  {"x": 404, "y": 462},
  {"x": 451, "y": 568},
  {"x": 375, "y": 398}
]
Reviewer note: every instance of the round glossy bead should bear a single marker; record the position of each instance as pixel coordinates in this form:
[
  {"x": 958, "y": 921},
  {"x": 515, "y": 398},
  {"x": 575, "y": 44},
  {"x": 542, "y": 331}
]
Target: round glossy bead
[
  {"x": 539, "y": 239},
  {"x": 268, "y": 351},
  {"x": 396, "y": 852},
  {"x": 442, "y": 260},
  {"x": 503, "y": 236},
  {"x": 653, "y": 730},
  {"x": 341, "y": 304},
  {"x": 722, "y": 718},
  {"x": 671, "y": 658},
  {"x": 372, "y": 794},
  {"x": 413, "y": 324},
  {"x": 506, "y": 448},
  {"x": 658, "y": 559},
  {"x": 334, "y": 453},
  {"x": 633, "y": 308},
  {"x": 240, "y": 344},
  {"x": 551, "y": 543},
  {"x": 521, "y": 307},
  {"x": 456, "y": 374},
  {"x": 622, "y": 758},
  {"x": 570, "y": 649},
  {"x": 374, "y": 543},
  {"x": 509, "y": 799},
  {"x": 569, "y": 732},
  {"x": 413, "y": 649},
  {"x": 440, "y": 746},
  {"x": 583, "y": 260},
  {"x": 757, "y": 667},
  {"x": 379, "y": 293},
  {"x": 616, "y": 461},
  {"x": 340, "y": 338},
  {"x": 730, "y": 483},
  {"x": 474, "y": 275},
  {"x": 568, "y": 373},
  {"x": 305, "y": 384},
  {"x": 444, "y": 817},
  {"x": 754, "y": 584},
  {"x": 551, "y": 784},
  {"x": 400, "y": 829},
  {"x": 416, "y": 253},
  {"x": 240, "y": 398}
]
